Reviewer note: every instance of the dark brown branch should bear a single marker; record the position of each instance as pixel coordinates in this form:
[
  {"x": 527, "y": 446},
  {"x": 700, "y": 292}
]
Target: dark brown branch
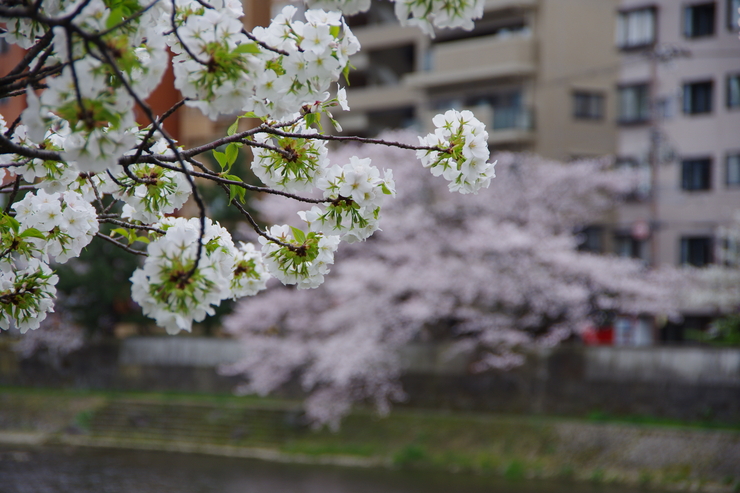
[
  {"x": 350, "y": 138},
  {"x": 42, "y": 43},
  {"x": 173, "y": 145},
  {"x": 252, "y": 188},
  {"x": 256, "y": 226},
  {"x": 263, "y": 44},
  {"x": 118, "y": 222},
  {"x": 150, "y": 134},
  {"x": 7, "y": 146}
]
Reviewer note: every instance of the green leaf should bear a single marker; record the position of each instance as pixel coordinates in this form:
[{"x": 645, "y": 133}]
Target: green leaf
[
  {"x": 221, "y": 158},
  {"x": 249, "y": 114},
  {"x": 345, "y": 72},
  {"x": 248, "y": 48},
  {"x": 232, "y": 178},
  {"x": 32, "y": 233},
  {"x": 114, "y": 18},
  {"x": 299, "y": 235},
  {"x": 121, "y": 231},
  {"x": 385, "y": 189},
  {"x": 232, "y": 151},
  {"x": 233, "y": 128},
  {"x": 12, "y": 222},
  {"x": 142, "y": 239},
  {"x": 236, "y": 192},
  {"x": 334, "y": 30}
]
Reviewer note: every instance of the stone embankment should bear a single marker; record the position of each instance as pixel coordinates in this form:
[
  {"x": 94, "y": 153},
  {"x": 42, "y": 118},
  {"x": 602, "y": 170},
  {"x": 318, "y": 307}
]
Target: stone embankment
[{"x": 670, "y": 457}]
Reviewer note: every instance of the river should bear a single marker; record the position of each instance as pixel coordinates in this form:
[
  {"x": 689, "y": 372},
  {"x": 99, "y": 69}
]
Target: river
[{"x": 89, "y": 470}]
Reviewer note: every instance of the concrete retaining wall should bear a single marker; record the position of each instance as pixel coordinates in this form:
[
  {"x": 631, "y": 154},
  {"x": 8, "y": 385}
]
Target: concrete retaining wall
[{"x": 688, "y": 383}]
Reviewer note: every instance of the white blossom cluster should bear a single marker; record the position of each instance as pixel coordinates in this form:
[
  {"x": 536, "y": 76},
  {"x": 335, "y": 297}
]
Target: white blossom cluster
[
  {"x": 295, "y": 165},
  {"x": 426, "y": 14},
  {"x": 356, "y": 192},
  {"x": 46, "y": 226},
  {"x": 439, "y": 13},
  {"x": 465, "y": 163},
  {"x": 27, "y": 294},
  {"x": 306, "y": 263},
  {"x": 78, "y": 156},
  {"x": 175, "y": 291},
  {"x": 66, "y": 221}
]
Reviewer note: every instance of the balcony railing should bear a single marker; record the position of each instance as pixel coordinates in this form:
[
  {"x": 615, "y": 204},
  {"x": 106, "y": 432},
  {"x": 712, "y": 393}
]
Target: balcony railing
[{"x": 511, "y": 118}]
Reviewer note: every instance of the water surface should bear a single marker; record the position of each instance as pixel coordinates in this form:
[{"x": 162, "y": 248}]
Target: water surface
[{"x": 88, "y": 470}]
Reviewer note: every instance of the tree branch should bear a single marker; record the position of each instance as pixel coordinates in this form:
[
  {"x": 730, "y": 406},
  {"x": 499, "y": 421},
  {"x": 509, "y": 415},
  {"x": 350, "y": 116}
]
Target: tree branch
[{"x": 121, "y": 245}]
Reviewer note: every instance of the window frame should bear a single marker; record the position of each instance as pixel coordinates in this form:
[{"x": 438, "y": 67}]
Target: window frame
[
  {"x": 689, "y": 86},
  {"x": 686, "y": 179},
  {"x": 640, "y": 118},
  {"x": 593, "y": 99},
  {"x": 728, "y": 157},
  {"x": 728, "y": 90},
  {"x": 732, "y": 16},
  {"x": 685, "y": 256},
  {"x": 621, "y": 40},
  {"x": 592, "y": 238},
  {"x": 688, "y": 30}
]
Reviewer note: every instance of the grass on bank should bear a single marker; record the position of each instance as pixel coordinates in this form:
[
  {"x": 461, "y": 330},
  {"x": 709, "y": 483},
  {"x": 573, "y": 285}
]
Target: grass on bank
[{"x": 513, "y": 447}]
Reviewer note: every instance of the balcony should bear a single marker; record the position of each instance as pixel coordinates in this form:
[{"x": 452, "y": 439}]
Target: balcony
[
  {"x": 494, "y": 5},
  {"x": 477, "y": 59}
]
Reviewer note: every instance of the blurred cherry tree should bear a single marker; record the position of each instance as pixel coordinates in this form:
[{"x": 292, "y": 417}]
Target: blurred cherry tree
[{"x": 495, "y": 273}]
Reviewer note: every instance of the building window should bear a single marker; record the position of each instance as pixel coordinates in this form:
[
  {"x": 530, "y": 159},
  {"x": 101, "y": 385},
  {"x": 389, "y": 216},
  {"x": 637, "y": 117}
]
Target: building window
[
  {"x": 696, "y": 174},
  {"x": 588, "y": 105},
  {"x": 699, "y": 20},
  {"x": 733, "y": 15},
  {"x": 733, "y": 91},
  {"x": 590, "y": 239},
  {"x": 696, "y": 251},
  {"x": 628, "y": 247},
  {"x": 697, "y": 97},
  {"x": 732, "y": 170},
  {"x": 636, "y": 28},
  {"x": 633, "y": 104}
]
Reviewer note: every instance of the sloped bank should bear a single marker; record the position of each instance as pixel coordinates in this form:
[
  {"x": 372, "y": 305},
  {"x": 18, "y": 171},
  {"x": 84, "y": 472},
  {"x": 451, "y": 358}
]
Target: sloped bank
[{"x": 513, "y": 447}]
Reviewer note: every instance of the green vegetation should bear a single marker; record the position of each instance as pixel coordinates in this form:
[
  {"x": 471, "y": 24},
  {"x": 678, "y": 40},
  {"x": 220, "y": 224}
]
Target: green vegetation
[
  {"x": 724, "y": 332},
  {"x": 511, "y": 447},
  {"x": 708, "y": 423}
]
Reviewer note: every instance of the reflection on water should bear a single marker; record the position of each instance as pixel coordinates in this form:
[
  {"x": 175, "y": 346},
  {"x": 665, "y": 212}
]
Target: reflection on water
[{"x": 80, "y": 470}]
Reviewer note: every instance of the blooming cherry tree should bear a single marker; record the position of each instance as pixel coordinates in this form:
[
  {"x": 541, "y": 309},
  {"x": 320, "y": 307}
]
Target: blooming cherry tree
[
  {"x": 77, "y": 158},
  {"x": 491, "y": 274}
]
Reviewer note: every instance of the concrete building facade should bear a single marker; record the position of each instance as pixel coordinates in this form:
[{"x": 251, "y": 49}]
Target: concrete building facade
[
  {"x": 679, "y": 121},
  {"x": 539, "y": 79}
]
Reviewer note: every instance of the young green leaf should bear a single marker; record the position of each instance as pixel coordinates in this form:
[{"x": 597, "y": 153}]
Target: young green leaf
[
  {"x": 248, "y": 48},
  {"x": 299, "y": 235},
  {"x": 32, "y": 233},
  {"x": 232, "y": 151},
  {"x": 221, "y": 158}
]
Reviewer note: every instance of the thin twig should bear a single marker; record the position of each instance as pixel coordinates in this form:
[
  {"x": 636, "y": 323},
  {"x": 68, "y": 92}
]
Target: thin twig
[
  {"x": 111, "y": 220},
  {"x": 121, "y": 245},
  {"x": 13, "y": 194},
  {"x": 252, "y": 188},
  {"x": 256, "y": 226}
]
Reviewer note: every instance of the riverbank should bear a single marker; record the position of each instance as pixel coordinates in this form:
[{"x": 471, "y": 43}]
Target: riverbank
[{"x": 648, "y": 455}]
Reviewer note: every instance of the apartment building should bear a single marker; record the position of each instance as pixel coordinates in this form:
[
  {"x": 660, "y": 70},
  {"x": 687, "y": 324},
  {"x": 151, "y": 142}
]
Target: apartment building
[
  {"x": 679, "y": 121},
  {"x": 540, "y": 74}
]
